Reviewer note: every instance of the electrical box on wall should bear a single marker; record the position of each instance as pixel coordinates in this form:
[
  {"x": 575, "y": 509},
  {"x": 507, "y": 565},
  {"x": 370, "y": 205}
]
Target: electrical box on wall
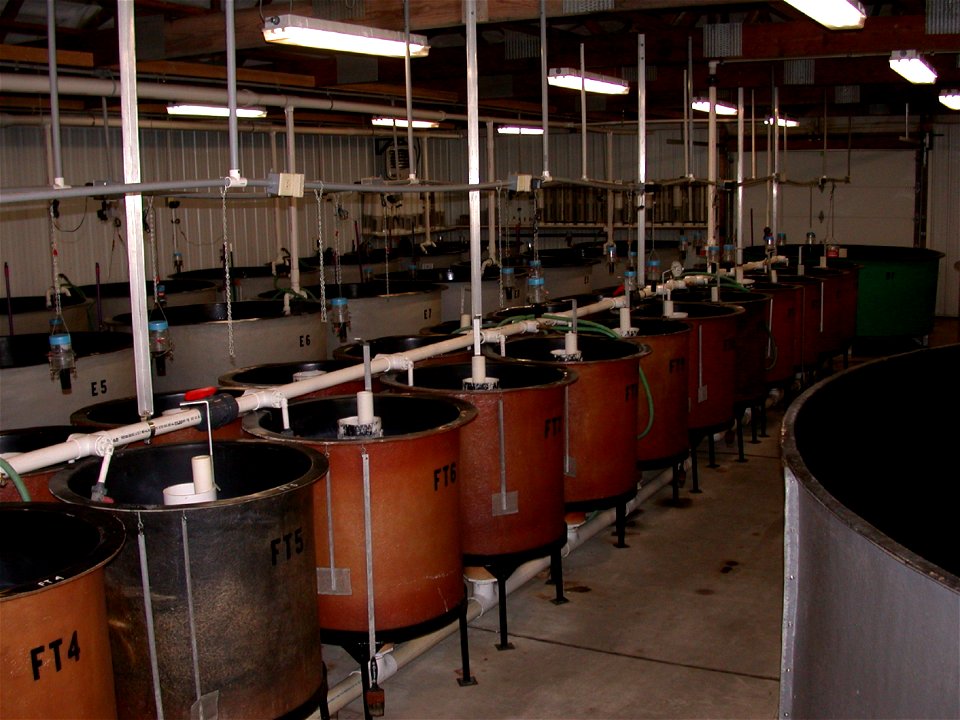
[{"x": 398, "y": 160}]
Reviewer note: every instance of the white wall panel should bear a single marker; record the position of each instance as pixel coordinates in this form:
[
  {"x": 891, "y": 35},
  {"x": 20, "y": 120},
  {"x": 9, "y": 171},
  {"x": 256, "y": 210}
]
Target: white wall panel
[{"x": 944, "y": 214}]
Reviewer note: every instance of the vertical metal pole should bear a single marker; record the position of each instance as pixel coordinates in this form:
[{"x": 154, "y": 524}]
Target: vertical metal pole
[
  {"x": 133, "y": 205},
  {"x": 544, "y": 112},
  {"x": 232, "y": 87},
  {"x": 712, "y": 160},
  {"x": 583, "y": 116},
  {"x": 775, "y": 182},
  {"x": 641, "y": 158},
  {"x": 409, "y": 85},
  {"x": 473, "y": 151},
  {"x": 688, "y": 150},
  {"x": 491, "y": 195},
  {"x": 740, "y": 113},
  {"x": 292, "y": 206},
  {"x": 54, "y": 96},
  {"x": 610, "y": 177}
]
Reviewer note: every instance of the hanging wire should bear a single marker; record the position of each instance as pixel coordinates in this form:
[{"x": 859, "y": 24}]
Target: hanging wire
[
  {"x": 318, "y": 194},
  {"x": 226, "y": 273}
]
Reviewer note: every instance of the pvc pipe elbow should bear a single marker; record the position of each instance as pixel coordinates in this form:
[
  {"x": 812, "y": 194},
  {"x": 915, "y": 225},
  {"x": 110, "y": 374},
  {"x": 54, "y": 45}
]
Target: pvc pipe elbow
[{"x": 396, "y": 361}]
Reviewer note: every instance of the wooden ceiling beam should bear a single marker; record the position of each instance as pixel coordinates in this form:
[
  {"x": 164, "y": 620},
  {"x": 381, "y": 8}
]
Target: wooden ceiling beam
[
  {"x": 39, "y": 56},
  {"x": 218, "y": 72}
]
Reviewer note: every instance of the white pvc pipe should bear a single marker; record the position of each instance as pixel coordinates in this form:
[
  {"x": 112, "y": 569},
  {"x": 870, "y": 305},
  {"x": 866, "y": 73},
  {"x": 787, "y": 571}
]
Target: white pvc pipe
[
  {"x": 133, "y": 206},
  {"x": 54, "y": 96},
  {"x": 292, "y": 207},
  {"x": 480, "y": 603},
  {"x": 473, "y": 161}
]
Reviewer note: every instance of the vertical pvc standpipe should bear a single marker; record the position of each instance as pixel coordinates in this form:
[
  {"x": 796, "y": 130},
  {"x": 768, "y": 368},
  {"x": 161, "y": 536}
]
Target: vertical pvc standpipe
[
  {"x": 232, "y": 90},
  {"x": 54, "y": 98},
  {"x": 409, "y": 87},
  {"x": 740, "y": 129},
  {"x": 133, "y": 205},
  {"x": 491, "y": 197},
  {"x": 277, "y": 202},
  {"x": 473, "y": 172},
  {"x": 775, "y": 180},
  {"x": 583, "y": 117},
  {"x": 712, "y": 162},
  {"x": 641, "y": 158},
  {"x": 292, "y": 208},
  {"x": 544, "y": 111}
]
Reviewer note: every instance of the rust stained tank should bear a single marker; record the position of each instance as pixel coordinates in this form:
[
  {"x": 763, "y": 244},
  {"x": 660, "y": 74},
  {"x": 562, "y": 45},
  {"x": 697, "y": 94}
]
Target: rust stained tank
[
  {"x": 786, "y": 330},
  {"x": 713, "y": 357},
  {"x": 20, "y": 440},
  {"x": 221, "y": 589},
  {"x": 414, "y": 495},
  {"x": 511, "y": 473},
  {"x": 601, "y": 416},
  {"x": 54, "y": 648}
]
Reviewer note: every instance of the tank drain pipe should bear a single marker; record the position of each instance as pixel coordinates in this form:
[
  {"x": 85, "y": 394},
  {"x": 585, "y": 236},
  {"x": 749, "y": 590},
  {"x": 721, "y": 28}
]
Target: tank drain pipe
[{"x": 483, "y": 601}]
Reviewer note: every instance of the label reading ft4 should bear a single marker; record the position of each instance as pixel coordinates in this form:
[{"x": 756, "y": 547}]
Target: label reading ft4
[{"x": 38, "y": 653}]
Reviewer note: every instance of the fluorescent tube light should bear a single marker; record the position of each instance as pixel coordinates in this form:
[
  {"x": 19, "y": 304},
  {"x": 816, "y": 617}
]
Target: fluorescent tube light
[
  {"x": 782, "y": 122},
  {"x": 591, "y": 82},
  {"x": 912, "y": 66},
  {"x": 519, "y": 130},
  {"x": 950, "y": 98},
  {"x": 703, "y": 105},
  {"x": 833, "y": 14},
  {"x": 342, "y": 37},
  {"x": 401, "y": 123},
  {"x": 214, "y": 111}
]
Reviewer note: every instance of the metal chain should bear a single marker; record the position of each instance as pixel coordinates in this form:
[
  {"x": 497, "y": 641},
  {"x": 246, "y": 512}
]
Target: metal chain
[
  {"x": 55, "y": 265},
  {"x": 226, "y": 274},
  {"x": 536, "y": 226},
  {"x": 318, "y": 194},
  {"x": 152, "y": 236}
]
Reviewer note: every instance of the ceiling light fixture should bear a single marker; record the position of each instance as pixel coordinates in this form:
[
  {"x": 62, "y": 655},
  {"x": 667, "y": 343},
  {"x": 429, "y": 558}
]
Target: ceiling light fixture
[
  {"x": 911, "y": 65},
  {"x": 703, "y": 105},
  {"x": 401, "y": 123},
  {"x": 590, "y": 82},
  {"x": 951, "y": 98},
  {"x": 519, "y": 130},
  {"x": 833, "y": 14},
  {"x": 214, "y": 111},
  {"x": 782, "y": 122},
  {"x": 342, "y": 37}
]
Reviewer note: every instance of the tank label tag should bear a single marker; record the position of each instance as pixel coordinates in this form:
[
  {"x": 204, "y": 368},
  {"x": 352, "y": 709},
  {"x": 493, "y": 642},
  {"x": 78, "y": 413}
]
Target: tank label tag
[
  {"x": 445, "y": 476},
  {"x": 286, "y": 546},
  {"x": 505, "y": 503},
  {"x": 53, "y": 652},
  {"x": 333, "y": 581},
  {"x": 207, "y": 707}
]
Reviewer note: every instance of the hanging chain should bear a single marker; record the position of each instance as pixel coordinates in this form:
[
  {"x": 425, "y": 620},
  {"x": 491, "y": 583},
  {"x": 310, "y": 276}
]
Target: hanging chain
[
  {"x": 536, "y": 226},
  {"x": 55, "y": 263},
  {"x": 226, "y": 273},
  {"x": 318, "y": 194},
  {"x": 152, "y": 237}
]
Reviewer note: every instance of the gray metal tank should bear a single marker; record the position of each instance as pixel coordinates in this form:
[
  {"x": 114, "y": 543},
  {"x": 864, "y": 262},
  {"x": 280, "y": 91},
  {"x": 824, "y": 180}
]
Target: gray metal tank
[
  {"x": 28, "y": 395},
  {"x": 111, "y": 299},
  {"x": 871, "y": 624},
  {"x": 31, "y": 314},
  {"x": 379, "y": 308},
  {"x": 261, "y": 333},
  {"x": 212, "y": 604}
]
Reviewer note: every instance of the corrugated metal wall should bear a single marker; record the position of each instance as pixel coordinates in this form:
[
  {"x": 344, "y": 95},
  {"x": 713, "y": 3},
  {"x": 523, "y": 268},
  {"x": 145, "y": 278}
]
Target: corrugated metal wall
[{"x": 875, "y": 207}]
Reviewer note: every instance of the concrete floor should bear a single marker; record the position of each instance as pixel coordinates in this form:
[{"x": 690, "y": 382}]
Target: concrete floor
[{"x": 685, "y": 623}]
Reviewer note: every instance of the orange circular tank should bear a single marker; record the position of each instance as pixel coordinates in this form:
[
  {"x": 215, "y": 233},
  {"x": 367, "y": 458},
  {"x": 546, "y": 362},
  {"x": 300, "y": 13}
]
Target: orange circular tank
[
  {"x": 413, "y": 474},
  {"x": 600, "y": 417},
  {"x": 786, "y": 330},
  {"x": 713, "y": 356},
  {"x": 55, "y": 657},
  {"x": 662, "y": 404},
  {"x": 511, "y": 478},
  {"x": 839, "y": 307},
  {"x": 21, "y": 440},
  {"x": 117, "y": 413}
]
